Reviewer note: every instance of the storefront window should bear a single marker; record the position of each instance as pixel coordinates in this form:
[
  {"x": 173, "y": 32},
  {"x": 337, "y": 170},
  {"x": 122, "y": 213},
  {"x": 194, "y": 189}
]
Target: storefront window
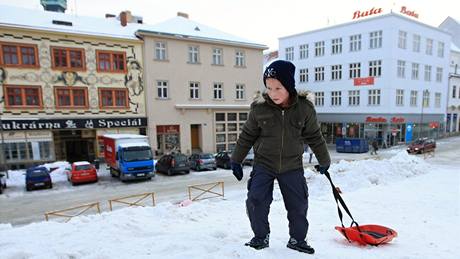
[
  {"x": 232, "y": 117},
  {"x": 227, "y": 131},
  {"x": 232, "y": 127}
]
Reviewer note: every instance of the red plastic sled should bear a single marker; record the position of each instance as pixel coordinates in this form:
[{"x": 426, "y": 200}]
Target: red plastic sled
[{"x": 368, "y": 234}]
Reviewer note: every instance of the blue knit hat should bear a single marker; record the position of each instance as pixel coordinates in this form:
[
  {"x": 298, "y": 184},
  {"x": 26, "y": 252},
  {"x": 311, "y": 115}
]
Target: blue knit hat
[{"x": 284, "y": 71}]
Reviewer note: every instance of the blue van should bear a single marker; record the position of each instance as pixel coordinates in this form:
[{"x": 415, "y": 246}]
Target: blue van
[{"x": 38, "y": 178}]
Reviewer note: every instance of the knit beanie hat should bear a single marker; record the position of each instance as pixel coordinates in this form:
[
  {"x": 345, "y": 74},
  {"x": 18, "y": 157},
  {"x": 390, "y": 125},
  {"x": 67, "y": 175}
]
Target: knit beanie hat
[{"x": 283, "y": 71}]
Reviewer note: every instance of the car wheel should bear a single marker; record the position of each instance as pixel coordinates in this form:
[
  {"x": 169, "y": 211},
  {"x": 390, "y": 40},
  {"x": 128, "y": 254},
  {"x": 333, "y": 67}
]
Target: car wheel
[
  {"x": 214, "y": 168},
  {"x": 51, "y": 186},
  {"x": 169, "y": 172},
  {"x": 187, "y": 172}
]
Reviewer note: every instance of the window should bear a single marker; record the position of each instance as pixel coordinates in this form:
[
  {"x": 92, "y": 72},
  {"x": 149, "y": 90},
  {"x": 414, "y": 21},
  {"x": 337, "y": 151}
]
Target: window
[
  {"x": 303, "y": 51},
  {"x": 355, "y": 70},
  {"x": 67, "y": 58},
  {"x": 240, "y": 92},
  {"x": 375, "y": 68},
  {"x": 113, "y": 98},
  {"x": 353, "y": 98},
  {"x": 228, "y": 126},
  {"x": 240, "y": 59},
  {"x": 319, "y": 48},
  {"x": 416, "y": 43},
  {"x": 399, "y": 97},
  {"x": 162, "y": 90},
  {"x": 18, "y": 55},
  {"x": 413, "y": 98},
  {"x": 336, "y": 46},
  {"x": 194, "y": 90},
  {"x": 374, "y": 97},
  {"x": 401, "y": 69},
  {"x": 454, "y": 91},
  {"x": 402, "y": 39},
  {"x": 427, "y": 73},
  {"x": 71, "y": 97},
  {"x": 160, "y": 50},
  {"x": 23, "y": 96},
  {"x": 336, "y": 72},
  {"x": 319, "y": 98},
  {"x": 415, "y": 67},
  {"x": 193, "y": 54},
  {"x": 426, "y": 98},
  {"x": 217, "y": 56},
  {"x": 336, "y": 98},
  {"x": 429, "y": 47},
  {"x": 437, "y": 100},
  {"x": 290, "y": 53},
  {"x": 355, "y": 42},
  {"x": 110, "y": 61},
  {"x": 303, "y": 74},
  {"x": 375, "y": 39},
  {"x": 441, "y": 49},
  {"x": 319, "y": 73},
  {"x": 439, "y": 74},
  {"x": 218, "y": 91}
]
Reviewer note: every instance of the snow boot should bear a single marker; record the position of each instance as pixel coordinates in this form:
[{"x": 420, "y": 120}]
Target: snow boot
[
  {"x": 259, "y": 243},
  {"x": 301, "y": 246}
]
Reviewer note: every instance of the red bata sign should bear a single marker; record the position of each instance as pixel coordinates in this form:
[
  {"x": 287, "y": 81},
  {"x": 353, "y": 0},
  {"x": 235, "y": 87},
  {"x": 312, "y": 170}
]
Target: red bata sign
[
  {"x": 398, "y": 120},
  {"x": 359, "y": 14},
  {"x": 375, "y": 119},
  {"x": 408, "y": 12},
  {"x": 363, "y": 81},
  {"x": 434, "y": 124}
]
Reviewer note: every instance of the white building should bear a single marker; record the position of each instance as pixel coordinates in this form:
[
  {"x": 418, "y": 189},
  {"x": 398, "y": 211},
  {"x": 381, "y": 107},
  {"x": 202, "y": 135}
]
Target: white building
[
  {"x": 453, "y": 103},
  {"x": 370, "y": 77}
]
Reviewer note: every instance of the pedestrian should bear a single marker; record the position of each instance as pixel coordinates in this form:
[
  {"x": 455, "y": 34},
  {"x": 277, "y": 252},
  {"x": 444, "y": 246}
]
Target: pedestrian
[
  {"x": 375, "y": 147},
  {"x": 311, "y": 155},
  {"x": 280, "y": 121}
]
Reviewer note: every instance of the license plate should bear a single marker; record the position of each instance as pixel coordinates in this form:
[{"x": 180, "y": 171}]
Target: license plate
[
  {"x": 84, "y": 174},
  {"x": 140, "y": 174},
  {"x": 39, "y": 184}
]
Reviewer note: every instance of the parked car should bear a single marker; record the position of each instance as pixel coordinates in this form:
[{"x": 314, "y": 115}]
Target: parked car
[
  {"x": 421, "y": 145},
  {"x": 82, "y": 172},
  {"x": 2, "y": 182},
  {"x": 37, "y": 178},
  {"x": 249, "y": 159},
  {"x": 202, "y": 161},
  {"x": 223, "y": 159},
  {"x": 173, "y": 164}
]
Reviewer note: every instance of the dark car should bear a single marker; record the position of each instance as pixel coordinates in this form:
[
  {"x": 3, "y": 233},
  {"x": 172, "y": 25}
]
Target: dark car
[
  {"x": 202, "y": 161},
  {"x": 2, "y": 182},
  {"x": 38, "y": 178},
  {"x": 173, "y": 164},
  {"x": 421, "y": 145},
  {"x": 223, "y": 159}
]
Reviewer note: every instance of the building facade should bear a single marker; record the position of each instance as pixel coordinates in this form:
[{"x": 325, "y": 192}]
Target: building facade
[
  {"x": 199, "y": 84},
  {"x": 64, "y": 82},
  {"x": 382, "y": 77}
]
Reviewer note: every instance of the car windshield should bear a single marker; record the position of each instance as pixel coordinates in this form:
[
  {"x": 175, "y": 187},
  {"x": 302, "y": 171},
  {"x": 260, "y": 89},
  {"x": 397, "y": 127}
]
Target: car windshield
[
  {"x": 180, "y": 158},
  {"x": 418, "y": 142},
  {"x": 82, "y": 167},
  {"x": 137, "y": 154},
  {"x": 206, "y": 156}
]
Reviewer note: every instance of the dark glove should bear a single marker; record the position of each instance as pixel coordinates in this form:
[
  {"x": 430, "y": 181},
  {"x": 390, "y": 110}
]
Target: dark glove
[
  {"x": 237, "y": 170},
  {"x": 322, "y": 169}
]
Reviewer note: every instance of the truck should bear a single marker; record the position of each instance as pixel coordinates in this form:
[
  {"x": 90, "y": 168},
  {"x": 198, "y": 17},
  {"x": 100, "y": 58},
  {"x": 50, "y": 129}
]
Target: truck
[{"x": 129, "y": 156}]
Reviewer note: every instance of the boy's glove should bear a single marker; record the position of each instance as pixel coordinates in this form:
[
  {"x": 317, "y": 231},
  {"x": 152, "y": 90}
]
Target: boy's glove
[
  {"x": 237, "y": 170},
  {"x": 322, "y": 169}
]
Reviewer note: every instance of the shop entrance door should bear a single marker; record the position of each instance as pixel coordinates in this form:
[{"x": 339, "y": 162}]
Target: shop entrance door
[{"x": 195, "y": 136}]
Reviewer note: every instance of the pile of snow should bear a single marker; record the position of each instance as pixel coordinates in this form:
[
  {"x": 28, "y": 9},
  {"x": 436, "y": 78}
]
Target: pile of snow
[
  {"x": 16, "y": 178},
  {"x": 400, "y": 192}
]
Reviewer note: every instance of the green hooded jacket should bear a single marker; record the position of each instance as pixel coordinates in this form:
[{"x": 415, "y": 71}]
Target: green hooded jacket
[{"x": 278, "y": 134}]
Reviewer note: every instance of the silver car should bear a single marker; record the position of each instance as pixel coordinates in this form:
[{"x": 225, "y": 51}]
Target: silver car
[{"x": 202, "y": 161}]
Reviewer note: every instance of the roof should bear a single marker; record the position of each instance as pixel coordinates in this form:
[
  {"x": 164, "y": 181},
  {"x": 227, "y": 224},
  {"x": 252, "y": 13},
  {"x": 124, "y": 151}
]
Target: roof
[
  {"x": 185, "y": 28},
  {"x": 17, "y": 17},
  {"x": 81, "y": 163},
  {"x": 134, "y": 144},
  {"x": 454, "y": 47}
]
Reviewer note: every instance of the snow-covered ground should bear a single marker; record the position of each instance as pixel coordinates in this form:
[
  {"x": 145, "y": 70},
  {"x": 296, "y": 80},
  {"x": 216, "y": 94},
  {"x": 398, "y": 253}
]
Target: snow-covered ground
[{"x": 418, "y": 198}]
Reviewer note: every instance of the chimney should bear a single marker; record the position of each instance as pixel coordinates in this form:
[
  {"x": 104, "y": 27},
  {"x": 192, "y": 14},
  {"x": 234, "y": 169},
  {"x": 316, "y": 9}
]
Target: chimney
[
  {"x": 109, "y": 15},
  {"x": 58, "y": 6},
  {"x": 125, "y": 18},
  {"x": 181, "y": 14}
]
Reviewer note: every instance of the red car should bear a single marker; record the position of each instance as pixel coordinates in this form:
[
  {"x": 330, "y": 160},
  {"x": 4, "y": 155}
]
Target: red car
[
  {"x": 82, "y": 172},
  {"x": 421, "y": 145}
]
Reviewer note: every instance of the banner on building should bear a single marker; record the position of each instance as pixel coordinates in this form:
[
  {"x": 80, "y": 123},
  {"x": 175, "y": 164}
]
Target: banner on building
[{"x": 409, "y": 128}]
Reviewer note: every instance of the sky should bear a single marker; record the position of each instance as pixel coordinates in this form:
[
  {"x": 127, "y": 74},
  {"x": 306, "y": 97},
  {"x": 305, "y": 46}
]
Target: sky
[
  {"x": 416, "y": 197},
  {"x": 263, "y": 21}
]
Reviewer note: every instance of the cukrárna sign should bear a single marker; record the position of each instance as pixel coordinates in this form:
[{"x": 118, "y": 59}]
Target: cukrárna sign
[{"x": 63, "y": 124}]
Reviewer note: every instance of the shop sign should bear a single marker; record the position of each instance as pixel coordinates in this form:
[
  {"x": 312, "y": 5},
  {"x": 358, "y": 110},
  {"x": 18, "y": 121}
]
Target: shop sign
[
  {"x": 398, "y": 120},
  {"x": 68, "y": 124},
  {"x": 409, "y": 128},
  {"x": 376, "y": 119},
  {"x": 434, "y": 124},
  {"x": 363, "y": 81},
  {"x": 408, "y": 12},
  {"x": 168, "y": 129},
  {"x": 359, "y": 14}
]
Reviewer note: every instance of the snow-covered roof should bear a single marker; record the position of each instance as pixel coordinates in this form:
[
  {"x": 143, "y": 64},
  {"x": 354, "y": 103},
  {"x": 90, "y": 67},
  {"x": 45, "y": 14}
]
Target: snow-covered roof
[
  {"x": 185, "y": 28},
  {"x": 454, "y": 47},
  {"x": 17, "y": 17},
  {"x": 134, "y": 144},
  {"x": 124, "y": 136}
]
